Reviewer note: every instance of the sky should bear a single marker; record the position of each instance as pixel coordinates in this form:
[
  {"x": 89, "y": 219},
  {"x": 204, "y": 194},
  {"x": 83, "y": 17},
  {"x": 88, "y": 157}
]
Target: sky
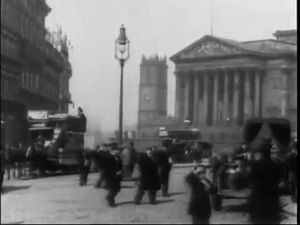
[{"x": 152, "y": 26}]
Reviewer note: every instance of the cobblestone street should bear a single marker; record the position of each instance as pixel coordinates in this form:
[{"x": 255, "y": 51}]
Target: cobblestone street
[{"x": 60, "y": 200}]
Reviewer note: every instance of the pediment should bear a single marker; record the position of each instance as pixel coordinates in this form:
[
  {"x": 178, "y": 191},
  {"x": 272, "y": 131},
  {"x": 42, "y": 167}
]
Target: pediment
[{"x": 209, "y": 47}]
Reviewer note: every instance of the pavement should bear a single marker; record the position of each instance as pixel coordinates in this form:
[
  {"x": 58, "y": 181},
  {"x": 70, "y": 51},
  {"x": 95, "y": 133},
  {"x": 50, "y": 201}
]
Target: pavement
[{"x": 60, "y": 199}]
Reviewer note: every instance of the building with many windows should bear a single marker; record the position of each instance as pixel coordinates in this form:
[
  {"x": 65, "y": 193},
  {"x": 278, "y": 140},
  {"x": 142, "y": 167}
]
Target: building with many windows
[
  {"x": 220, "y": 83},
  {"x": 31, "y": 66}
]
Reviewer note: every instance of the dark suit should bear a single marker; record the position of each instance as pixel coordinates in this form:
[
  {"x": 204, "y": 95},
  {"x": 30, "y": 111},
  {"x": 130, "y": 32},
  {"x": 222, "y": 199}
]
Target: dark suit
[
  {"x": 164, "y": 168},
  {"x": 149, "y": 179},
  {"x": 84, "y": 168},
  {"x": 199, "y": 205},
  {"x": 264, "y": 202},
  {"x": 112, "y": 169}
]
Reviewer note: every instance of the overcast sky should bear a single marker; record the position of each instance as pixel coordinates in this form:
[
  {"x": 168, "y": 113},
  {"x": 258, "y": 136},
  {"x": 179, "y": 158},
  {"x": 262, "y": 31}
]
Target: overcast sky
[{"x": 163, "y": 26}]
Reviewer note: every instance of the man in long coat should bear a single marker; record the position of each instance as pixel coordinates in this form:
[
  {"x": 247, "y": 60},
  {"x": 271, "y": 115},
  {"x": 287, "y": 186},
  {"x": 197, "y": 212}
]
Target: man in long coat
[
  {"x": 149, "y": 179},
  {"x": 84, "y": 167},
  {"x": 112, "y": 173},
  {"x": 164, "y": 167},
  {"x": 265, "y": 206}
]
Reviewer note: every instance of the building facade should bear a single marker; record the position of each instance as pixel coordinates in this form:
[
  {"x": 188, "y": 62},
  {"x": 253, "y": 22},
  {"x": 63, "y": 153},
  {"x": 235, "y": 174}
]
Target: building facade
[
  {"x": 220, "y": 83},
  {"x": 152, "y": 95},
  {"x": 30, "y": 66},
  {"x": 64, "y": 78}
]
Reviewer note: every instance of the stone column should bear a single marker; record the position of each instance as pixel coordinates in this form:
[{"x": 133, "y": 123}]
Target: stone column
[
  {"x": 205, "y": 97},
  {"x": 225, "y": 96},
  {"x": 215, "y": 97},
  {"x": 257, "y": 94},
  {"x": 186, "y": 96},
  {"x": 196, "y": 98},
  {"x": 236, "y": 94},
  {"x": 284, "y": 99},
  {"x": 247, "y": 106},
  {"x": 177, "y": 95}
]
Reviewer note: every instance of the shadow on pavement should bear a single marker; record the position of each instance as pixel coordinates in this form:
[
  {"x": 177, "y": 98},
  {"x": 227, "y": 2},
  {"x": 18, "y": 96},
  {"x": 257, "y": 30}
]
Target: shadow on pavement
[
  {"x": 176, "y": 193},
  {"x": 146, "y": 203},
  {"x": 165, "y": 201},
  {"x": 125, "y": 203},
  {"x": 15, "y": 188}
]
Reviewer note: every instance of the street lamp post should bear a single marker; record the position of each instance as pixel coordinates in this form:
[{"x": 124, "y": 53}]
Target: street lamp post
[{"x": 121, "y": 54}]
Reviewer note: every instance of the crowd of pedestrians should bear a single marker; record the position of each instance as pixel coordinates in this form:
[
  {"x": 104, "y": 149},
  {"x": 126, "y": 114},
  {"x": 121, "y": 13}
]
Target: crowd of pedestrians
[
  {"x": 113, "y": 165},
  {"x": 154, "y": 167}
]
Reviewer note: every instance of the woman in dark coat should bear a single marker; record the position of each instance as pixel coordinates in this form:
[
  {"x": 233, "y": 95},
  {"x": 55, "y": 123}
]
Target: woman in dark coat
[
  {"x": 149, "y": 179},
  {"x": 199, "y": 205}
]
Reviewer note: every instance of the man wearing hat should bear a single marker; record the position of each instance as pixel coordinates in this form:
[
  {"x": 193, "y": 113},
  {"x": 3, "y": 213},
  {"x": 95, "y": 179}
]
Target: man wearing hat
[
  {"x": 149, "y": 179},
  {"x": 100, "y": 161},
  {"x": 164, "y": 167},
  {"x": 199, "y": 204},
  {"x": 112, "y": 172},
  {"x": 84, "y": 167}
]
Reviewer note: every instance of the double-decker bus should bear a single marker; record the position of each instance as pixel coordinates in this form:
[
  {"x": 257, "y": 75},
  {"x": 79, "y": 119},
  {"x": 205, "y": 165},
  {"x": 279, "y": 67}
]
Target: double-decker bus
[{"x": 63, "y": 136}]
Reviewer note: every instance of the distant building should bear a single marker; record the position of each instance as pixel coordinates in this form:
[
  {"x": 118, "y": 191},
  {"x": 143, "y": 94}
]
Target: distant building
[
  {"x": 153, "y": 89},
  {"x": 31, "y": 66},
  {"x": 220, "y": 83}
]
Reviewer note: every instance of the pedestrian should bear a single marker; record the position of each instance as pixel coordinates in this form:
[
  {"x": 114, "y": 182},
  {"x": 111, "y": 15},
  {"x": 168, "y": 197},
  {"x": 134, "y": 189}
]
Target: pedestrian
[
  {"x": 2, "y": 165},
  {"x": 112, "y": 172},
  {"x": 164, "y": 162},
  {"x": 38, "y": 155},
  {"x": 199, "y": 204},
  {"x": 100, "y": 161},
  {"x": 84, "y": 167},
  {"x": 125, "y": 161},
  {"x": 196, "y": 152},
  {"x": 264, "y": 203},
  {"x": 132, "y": 157},
  {"x": 149, "y": 177},
  {"x": 8, "y": 163},
  {"x": 292, "y": 168}
]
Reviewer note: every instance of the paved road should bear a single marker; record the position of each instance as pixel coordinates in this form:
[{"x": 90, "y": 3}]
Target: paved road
[{"x": 60, "y": 200}]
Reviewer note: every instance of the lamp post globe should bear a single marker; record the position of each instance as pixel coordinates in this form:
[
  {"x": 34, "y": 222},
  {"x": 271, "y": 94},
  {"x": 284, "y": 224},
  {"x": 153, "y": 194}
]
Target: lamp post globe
[{"x": 122, "y": 55}]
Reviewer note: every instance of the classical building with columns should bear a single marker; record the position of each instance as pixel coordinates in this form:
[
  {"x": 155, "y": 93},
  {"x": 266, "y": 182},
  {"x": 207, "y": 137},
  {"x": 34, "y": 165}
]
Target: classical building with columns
[{"x": 220, "y": 83}]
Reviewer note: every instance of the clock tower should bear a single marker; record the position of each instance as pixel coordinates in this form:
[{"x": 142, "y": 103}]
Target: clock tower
[{"x": 152, "y": 95}]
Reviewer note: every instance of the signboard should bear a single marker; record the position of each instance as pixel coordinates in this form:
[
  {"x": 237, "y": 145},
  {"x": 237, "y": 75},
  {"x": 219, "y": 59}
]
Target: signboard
[{"x": 37, "y": 114}]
